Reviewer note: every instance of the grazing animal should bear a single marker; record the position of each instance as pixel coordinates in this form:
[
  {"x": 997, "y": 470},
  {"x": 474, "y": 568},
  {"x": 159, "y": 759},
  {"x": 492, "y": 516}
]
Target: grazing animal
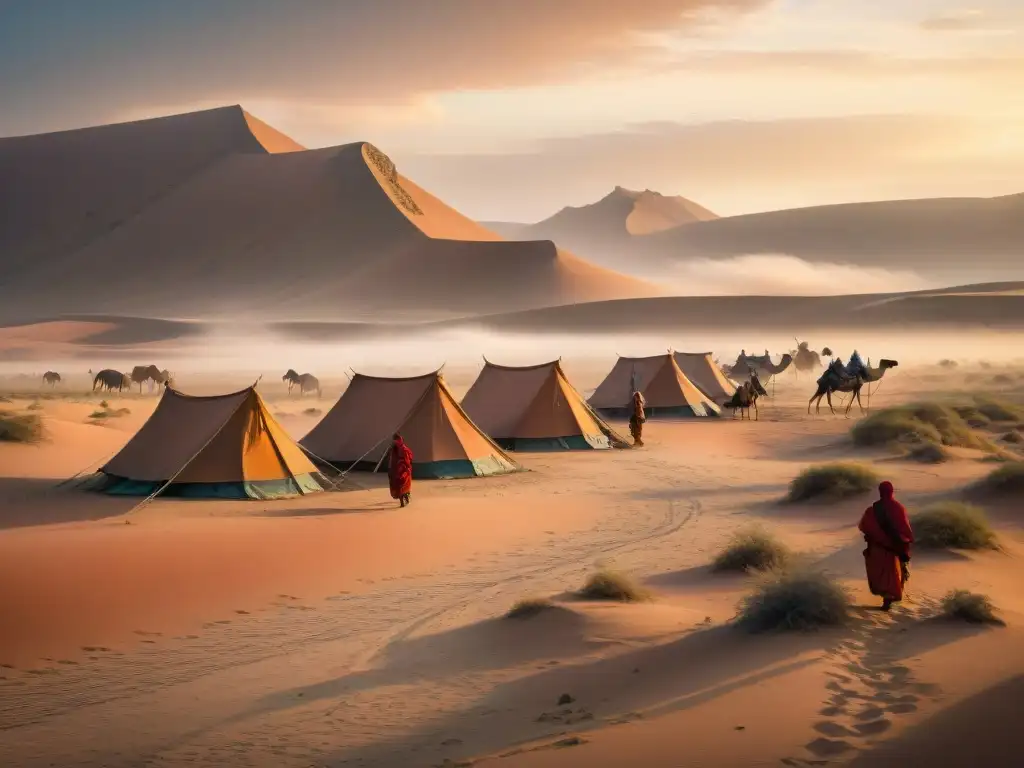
[
  {"x": 836, "y": 378},
  {"x": 52, "y": 378},
  {"x": 149, "y": 373},
  {"x": 307, "y": 382},
  {"x": 109, "y": 379}
]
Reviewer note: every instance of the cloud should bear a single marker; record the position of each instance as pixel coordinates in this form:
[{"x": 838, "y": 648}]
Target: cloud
[
  {"x": 956, "y": 21},
  {"x": 730, "y": 167},
  {"x": 771, "y": 274},
  {"x": 71, "y": 58}
]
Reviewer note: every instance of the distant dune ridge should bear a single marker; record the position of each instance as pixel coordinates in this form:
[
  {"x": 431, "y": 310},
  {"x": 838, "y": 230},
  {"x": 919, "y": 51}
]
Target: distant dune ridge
[{"x": 214, "y": 213}]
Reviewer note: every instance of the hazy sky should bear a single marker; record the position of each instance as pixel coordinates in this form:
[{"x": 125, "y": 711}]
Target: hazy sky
[{"x": 512, "y": 109}]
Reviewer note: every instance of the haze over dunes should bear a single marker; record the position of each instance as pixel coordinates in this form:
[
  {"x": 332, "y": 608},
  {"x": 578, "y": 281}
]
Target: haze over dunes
[{"x": 214, "y": 213}]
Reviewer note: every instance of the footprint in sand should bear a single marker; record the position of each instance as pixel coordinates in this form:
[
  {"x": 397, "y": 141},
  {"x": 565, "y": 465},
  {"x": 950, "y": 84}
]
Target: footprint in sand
[
  {"x": 95, "y": 649},
  {"x": 67, "y": 662},
  {"x": 874, "y": 727},
  {"x": 831, "y": 728},
  {"x": 828, "y": 747},
  {"x": 144, "y": 633},
  {"x": 240, "y": 612}
]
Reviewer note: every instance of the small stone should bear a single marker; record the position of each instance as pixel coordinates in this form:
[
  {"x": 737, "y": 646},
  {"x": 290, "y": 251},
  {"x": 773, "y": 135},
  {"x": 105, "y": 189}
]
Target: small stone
[{"x": 564, "y": 699}]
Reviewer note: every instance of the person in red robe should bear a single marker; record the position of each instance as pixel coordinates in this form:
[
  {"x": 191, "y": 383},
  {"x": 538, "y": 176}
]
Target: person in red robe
[
  {"x": 889, "y": 537},
  {"x": 400, "y": 470}
]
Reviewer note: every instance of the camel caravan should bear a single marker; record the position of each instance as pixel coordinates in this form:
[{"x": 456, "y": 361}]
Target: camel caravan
[{"x": 110, "y": 380}]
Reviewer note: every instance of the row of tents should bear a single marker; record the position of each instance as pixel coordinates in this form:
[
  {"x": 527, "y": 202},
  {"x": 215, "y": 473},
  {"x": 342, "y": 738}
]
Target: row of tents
[{"x": 230, "y": 446}]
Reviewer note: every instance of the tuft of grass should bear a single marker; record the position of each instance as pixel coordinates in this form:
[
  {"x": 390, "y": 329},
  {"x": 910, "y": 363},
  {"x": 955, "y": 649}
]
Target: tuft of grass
[
  {"x": 312, "y": 412},
  {"x": 920, "y": 423},
  {"x": 1007, "y": 479},
  {"x": 752, "y": 549},
  {"x": 963, "y": 605},
  {"x": 529, "y": 607},
  {"x": 35, "y": 405},
  {"x": 607, "y": 584},
  {"x": 998, "y": 410},
  {"x": 952, "y": 525},
  {"x": 801, "y": 600},
  {"x": 109, "y": 413},
  {"x": 1013, "y": 436},
  {"x": 929, "y": 453},
  {"x": 831, "y": 481},
  {"x": 20, "y": 427},
  {"x": 104, "y": 404}
]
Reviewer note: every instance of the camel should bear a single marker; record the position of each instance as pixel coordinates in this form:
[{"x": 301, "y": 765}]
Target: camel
[
  {"x": 745, "y": 397},
  {"x": 762, "y": 364},
  {"x": 837, "y": 379},
  {"x": 805, "y": 358},
  {"x": 307, "y": 382},
  {"x": 110, "y": 379},
  {"x": 142, "y": 373},
  {"x": 52, "y": 378}
]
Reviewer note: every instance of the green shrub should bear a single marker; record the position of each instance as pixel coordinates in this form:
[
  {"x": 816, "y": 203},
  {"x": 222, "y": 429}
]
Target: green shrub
[
  {"x": 920, "y": 423},
  {"x": 952, "y": 525},
  {"x": 752, "y": 549},
  {"x": 962, "y": 605},
  {"x": 528, "y": 607},
  {"x": 612, "y": 585},
  {"x": 1007, "y": 479},
  {"x": 21, "y": 427},
  {"x": 832, "y": 481},
  {"x": 801, "y": 600}
]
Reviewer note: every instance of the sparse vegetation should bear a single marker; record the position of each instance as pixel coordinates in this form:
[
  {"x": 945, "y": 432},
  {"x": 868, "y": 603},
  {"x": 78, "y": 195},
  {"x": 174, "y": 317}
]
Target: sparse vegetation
[
  {"x": 312, "y": 412},
  {"x": 962, "y": 605},
  {"x": 921, "y": 423},
  {"x": 20, "y": 427},
  {"x": 109, "y": 413},
  {"x": 752, "y": 549},
  {"x": 831, "y": 481},
  {"x": 606, "y": 584},
  {"x": 1013, "y": 436},
  {"x": 1007, "y": 479},
  {"x": 528, "y": 607},
  {"x": 35, "y": 405},
  {"x": 997, "y": 410},
  {"x": 799, "y": 600},
  {"x": 952, "y": 525},
  {"x": 929, "y": 453},
  {"x": 104, "y": 404}
]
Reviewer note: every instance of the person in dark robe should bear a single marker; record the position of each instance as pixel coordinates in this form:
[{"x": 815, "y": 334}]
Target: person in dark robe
[
  {"x": 889, "y": 538},
  {"x": 637, "y": 419},
  {"x": 400, "y": 470}
]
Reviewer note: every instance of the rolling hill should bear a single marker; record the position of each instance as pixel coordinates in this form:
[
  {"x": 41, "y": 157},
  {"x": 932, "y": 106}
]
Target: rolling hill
[{"x": 215, "y": 214}]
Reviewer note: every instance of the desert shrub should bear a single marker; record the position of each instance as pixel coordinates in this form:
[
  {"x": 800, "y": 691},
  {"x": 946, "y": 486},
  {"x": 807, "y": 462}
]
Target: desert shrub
[
  {"x": 920, "y": 423},
  {"x": 35, "y": 405},
  {"x": 1013, "y": 436},
  {"x": 109, "y": 413},
  {"x": 104, "y": 404},
  {"x": 971, "y": 415},
  {"x": 612, "y": 585},
  {"x": 20, "y": 427},
  {"x": 752, "y": 549},
  {"x": 312, "y": 412},
  {"x": 833, "y": 481},
  {"x": 997, "y": 410},
  {"x": 1007, "y": 479},
  {"x": 1002, "y": 380},
  {"x": 962, "y": 605},
  {"x": 529, "y": 606},
  {"x": 952, "y": 525},
  {"x": 929, "y": 453},
  {"x": 801, "y": 599}
]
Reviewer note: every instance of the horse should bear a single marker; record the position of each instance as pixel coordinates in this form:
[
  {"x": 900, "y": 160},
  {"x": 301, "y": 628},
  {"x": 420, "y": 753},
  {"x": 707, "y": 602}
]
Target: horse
[
  {"x": 307, "y": 382},
  {"x": 110, "y": 379}
]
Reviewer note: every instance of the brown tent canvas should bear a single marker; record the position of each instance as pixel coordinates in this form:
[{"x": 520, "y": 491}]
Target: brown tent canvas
[
  {"x": 357, "y": 431},
  {"x": 535, "y": 408},
  {"x": 225, "y": 446},
  {"x": 700, "y": 368},
  {"x": 666, "y": 389}
]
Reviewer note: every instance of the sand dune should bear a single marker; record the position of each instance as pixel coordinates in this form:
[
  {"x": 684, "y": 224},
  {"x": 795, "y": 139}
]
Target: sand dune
[{"x": 215, "y": 214}]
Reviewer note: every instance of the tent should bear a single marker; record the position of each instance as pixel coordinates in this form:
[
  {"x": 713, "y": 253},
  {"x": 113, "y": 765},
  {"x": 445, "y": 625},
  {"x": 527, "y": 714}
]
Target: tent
[
  {"x": 535, "y": 408},
  {"x": 357, "y": 431},
  {"x": 665, "y": 387},
  {"x": 701, "y": 369},
  {"x": 225, "y": 446}
]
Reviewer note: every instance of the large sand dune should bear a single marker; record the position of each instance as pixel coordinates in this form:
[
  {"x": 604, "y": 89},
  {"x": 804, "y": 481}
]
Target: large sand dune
[{"x": 216, "y": 214}]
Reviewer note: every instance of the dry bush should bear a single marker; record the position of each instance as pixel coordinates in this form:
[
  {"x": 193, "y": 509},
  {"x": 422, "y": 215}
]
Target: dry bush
[
  {"x": 929, "y": 453},
  {"x": 21, "y": 427},
  {"x": 831, "y": 481},
  {"x": 606, "y": 584},
  {"x": 998, "y": 410},
  {"x": 1005, "y": 480},
  {"x": 801, "y": 599},
  {"x": 952, "y": 525},
  {"x": 963, "y": 605},
  {"x": 312, "y": 412},
  {"x": 35, "y": 405},
  {"x": 753, "y": 549},
  {"x": 921, "y": 423},
  {"x": 528, "y": 607}
]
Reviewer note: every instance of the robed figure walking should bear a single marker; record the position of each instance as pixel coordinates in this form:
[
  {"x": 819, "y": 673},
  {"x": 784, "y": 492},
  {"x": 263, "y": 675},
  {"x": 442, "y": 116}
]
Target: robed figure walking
[
  {"x": 400, "y": 470},
  {"x": 889, "y": 538}
]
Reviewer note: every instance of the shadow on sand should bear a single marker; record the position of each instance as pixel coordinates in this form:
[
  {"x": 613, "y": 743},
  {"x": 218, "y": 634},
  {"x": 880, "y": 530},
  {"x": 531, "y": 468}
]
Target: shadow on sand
[{"x": 39, "y": 501}]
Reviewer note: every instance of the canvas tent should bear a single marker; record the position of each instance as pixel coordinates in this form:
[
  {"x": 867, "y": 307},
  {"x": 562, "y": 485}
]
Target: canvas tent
[
  {"x": 665, "y": 387},
  {"x": 357, "y": 431},
  {"x": 535, "y": 408},
  {"x": 701, "y": 369},
  {"x": 225, "y": 446}
]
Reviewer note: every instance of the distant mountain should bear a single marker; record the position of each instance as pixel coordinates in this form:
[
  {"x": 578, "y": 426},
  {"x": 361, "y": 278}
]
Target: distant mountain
[{"x": 214, "y": 213}]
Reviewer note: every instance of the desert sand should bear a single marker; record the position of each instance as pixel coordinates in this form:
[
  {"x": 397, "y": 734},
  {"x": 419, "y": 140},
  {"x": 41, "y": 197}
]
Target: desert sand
[
  {"x": 339, "y": 630},
  {"x": 273, "y": 231}
]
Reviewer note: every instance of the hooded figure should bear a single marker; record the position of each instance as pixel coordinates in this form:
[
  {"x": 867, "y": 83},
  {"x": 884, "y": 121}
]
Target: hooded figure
[
  {"x": 637, "y": 419},
  {"x": 889, "y": 537},
  {"x": 400, "y": 470}
]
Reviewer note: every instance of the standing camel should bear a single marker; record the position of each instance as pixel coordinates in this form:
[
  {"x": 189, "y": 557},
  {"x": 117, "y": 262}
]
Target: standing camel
[
  {"x": 109, "y": 379},
  {"x": 761, "y": 364},
  {"x": 52, "y": 378},
  {"x": 745, "y": 397},
  {"x": 804, "y": 358},
  {"x": 836, "y": 379},
  {"x": 149, "y": 373},
  {"x": 307, "y": 382}
]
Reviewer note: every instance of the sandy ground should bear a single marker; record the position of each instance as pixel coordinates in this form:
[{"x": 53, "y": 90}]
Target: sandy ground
[{"x": 340, "y": 630}]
